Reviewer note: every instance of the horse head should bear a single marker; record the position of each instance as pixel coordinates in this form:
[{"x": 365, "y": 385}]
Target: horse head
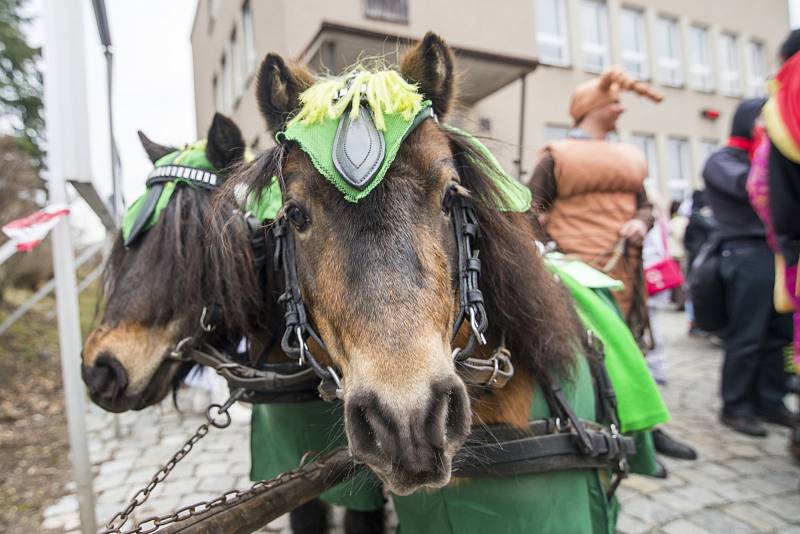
[
  {"x": 369, "y": 172},
  {"x": 161, "y": 276}
]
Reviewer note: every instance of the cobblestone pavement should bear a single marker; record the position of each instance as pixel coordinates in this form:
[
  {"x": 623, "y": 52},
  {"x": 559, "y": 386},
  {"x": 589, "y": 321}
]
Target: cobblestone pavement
[{"x": 739, "y": 485}]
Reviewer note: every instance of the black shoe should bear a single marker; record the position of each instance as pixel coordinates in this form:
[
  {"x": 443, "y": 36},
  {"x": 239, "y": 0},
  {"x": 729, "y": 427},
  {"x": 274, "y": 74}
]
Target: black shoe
[
  {"x": 669, "y": 446},
  {"x": 780, "y": 416},
  {"x": 746, "y": 425},
  {"x": 660, "y": 471}
]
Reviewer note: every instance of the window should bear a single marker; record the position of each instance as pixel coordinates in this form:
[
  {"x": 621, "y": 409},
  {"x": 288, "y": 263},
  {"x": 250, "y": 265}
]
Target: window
[
  {"x": 554, "y": 132},
  {"x": 707, "y": 146},
  {"x": 758, "y": 69},
  {"x": 702, "y": 70},
  {"x": 213, "y": 6},
  {"x": 669, "y": 52},
  {"x": 551, "y": 32},
  {"x": 594, "y": 32},
  {"x": 634, "y": 42},
  {"x": 236, "y": 68},
  {"x": 391, "y": 10},
  {"x": 647, "y": 144},
  {"x": 248, "y": 39},
  {"x": 678, "y": 168},
  {"x": 729, "y": 49}
]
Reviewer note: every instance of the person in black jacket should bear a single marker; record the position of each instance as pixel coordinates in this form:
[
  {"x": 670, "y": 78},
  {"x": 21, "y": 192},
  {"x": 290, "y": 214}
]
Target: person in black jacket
[{"x": 753, "y": 376}]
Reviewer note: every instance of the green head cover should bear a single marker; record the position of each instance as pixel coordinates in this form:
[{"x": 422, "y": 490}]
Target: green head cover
[{"x": 395, "y": 109}]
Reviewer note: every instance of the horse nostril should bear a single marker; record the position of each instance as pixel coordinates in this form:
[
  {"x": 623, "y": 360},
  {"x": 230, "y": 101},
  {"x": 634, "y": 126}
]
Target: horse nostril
[
  {"x": 448, "y": 417},
  {"x": 107, "y": 378}
]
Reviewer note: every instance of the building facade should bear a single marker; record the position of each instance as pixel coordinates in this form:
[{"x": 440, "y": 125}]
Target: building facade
[{"x": 518, "y": 61}]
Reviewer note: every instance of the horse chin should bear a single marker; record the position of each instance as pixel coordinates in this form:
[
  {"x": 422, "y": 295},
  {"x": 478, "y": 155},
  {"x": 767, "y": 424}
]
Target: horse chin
[{"x": 403, "y": 484}]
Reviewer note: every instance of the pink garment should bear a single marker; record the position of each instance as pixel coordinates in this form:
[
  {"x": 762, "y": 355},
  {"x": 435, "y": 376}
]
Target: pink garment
[{"x": 758, "y": 191}]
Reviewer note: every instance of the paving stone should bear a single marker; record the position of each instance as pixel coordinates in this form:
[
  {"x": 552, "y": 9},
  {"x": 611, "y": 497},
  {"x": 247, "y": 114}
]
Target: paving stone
[
  {"x": 116, "y": 465},
  {"x": 66, "y": 504},
  {"x": 628, "y": 524},
  {"x": 772, "y": 483},
  {"x": 786, "y": 507},
  {"x": 643, "y": 484},
  {"x": 756, "y": 517},
  {"x": 682, "y": 526},
  {"x": 718, "y": 522},
  {"x": 216, "y": 483},
  {"x": 652, "y": 512}
]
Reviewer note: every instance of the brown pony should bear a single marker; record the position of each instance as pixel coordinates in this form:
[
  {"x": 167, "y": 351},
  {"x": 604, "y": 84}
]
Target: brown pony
[
  {"x": 379, "y": 279},
  {"x": 156, "y": 289}
]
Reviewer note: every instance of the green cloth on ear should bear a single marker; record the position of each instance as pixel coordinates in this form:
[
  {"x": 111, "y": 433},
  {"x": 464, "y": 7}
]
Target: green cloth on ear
[
  {"x": 133, "y": 212},
  {"x": 265, "y": 206},
  {"x": 516, "y": 197}
]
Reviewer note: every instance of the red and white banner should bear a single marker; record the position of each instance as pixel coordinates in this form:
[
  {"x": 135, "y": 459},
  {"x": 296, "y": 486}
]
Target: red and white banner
[{"x": 29, "y": 231}]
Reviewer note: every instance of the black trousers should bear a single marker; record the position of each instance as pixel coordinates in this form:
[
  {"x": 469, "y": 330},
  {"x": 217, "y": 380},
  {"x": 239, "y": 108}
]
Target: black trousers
[{"x": 753, "y": 375}]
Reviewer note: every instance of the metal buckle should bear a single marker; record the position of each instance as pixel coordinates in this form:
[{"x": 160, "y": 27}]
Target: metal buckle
[
  {"x": 337, "y": 381},
  {"x": 301, "y": 344},
  {"x": 473, "y": 323},
  {"x": 177, "y": 351},
  {"x": 203, "y": 325}
]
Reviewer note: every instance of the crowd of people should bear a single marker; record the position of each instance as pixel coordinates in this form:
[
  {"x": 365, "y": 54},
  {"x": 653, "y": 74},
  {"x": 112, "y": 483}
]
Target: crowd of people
[{"x": 728, "y": 254}]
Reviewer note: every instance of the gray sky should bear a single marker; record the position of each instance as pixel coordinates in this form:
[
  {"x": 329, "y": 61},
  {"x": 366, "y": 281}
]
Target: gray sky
[{"x": 153, "y": 81}]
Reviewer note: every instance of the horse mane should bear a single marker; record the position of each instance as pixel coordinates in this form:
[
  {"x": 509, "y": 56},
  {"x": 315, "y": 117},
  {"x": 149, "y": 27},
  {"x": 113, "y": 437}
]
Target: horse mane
[
  {"x": 522, "y": 298},
  {"x": 185, "y": 264}
]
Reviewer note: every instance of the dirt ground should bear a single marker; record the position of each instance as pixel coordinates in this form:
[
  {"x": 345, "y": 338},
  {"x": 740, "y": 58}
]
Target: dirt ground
[{"x": 34, "y": 464}]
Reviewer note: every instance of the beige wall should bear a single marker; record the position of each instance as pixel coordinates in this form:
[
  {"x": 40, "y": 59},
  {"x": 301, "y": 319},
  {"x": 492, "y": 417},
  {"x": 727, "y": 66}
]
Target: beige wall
[{"x": 506, "y": 27}]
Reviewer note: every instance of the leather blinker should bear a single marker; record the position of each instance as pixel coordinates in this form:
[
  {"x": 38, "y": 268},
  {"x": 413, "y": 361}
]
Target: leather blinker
[{"x": 358, "y": 148}]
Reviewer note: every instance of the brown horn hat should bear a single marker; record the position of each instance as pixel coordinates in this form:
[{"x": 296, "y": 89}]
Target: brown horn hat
[{"x": 598, "y": 92}]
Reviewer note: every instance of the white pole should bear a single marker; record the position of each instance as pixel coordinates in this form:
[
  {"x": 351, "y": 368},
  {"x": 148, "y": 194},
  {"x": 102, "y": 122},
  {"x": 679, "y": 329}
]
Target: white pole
[
  {"x": 8, "y": 249},
  {"x": 66, "y": 119}
]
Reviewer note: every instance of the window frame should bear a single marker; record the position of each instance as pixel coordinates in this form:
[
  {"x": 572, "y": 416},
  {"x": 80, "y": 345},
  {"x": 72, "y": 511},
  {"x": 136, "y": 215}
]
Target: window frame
[
  {"x": 636, "y": 56},
  {"x": 249, "y": 40},
  {"x": 755, "y": 83},
  {"x": 649, "y": 147},
  {"x": 554, "y": 40},
  {"x": 601, "y": 50},
  {"x": 669, "y": 63},
  {"x": 377, "y": 10},
  {"x": 697, "y": 69},
  {"x": 684, "y": 182},
  {"x": 729, "y": 77}
]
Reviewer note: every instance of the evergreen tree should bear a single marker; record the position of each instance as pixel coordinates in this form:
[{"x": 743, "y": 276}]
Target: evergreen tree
[{"x": 20, "y": 82}]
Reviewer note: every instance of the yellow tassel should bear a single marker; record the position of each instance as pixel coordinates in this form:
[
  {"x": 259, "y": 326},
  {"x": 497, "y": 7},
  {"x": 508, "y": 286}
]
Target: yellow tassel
[{"x": 385, "y": 91}]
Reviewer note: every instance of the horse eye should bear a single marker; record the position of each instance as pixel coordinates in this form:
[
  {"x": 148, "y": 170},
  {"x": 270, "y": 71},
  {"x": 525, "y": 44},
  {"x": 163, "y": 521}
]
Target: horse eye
[{"x": 297, "y": 216}]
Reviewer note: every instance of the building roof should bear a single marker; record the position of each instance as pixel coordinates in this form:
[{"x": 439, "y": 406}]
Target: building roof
[{"x": 335, "y": 47}]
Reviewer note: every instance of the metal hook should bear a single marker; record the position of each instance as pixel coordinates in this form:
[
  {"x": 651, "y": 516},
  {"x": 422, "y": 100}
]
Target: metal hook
[
  {"x": 203, "y": 325},
  {"x": 474, "y": 324},
  {"x": 177, "y": 352},
  {"x": 301, "y": 343}
]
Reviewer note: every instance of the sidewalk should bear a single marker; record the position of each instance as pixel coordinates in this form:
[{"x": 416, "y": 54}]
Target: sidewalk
[{"x": 739, "y": 485}]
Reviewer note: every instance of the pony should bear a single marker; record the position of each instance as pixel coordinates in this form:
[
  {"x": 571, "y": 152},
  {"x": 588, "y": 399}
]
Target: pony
[
  {"x": 165, "y": 285},
  {"x": 379, "y": 276}
]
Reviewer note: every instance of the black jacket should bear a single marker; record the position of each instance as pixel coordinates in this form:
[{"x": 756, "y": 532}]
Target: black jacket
[
  {"x": 725, "y": 175},
  {"x": 784, "y": 199}
]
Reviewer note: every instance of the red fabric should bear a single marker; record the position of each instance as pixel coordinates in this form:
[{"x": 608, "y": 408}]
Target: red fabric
[
  {"x": 742, "y": 143},
  {"x": 788, "y": 96}
]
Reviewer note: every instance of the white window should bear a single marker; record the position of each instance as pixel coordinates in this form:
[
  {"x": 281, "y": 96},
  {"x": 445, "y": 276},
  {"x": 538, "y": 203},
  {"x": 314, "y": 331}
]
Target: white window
[
  {"x": 594, "y": 32},
  {"x": 551, "y": 32},
  {"x": 249, "y": 43},
  {"x": 702, "y": 69},
  {"x": 707, "y": 147},
  {"x": 647, "y": 144},
  {"x": 391, "y": 10},
  {"x": 678, "y": 168},
  {"x": 669, "y": 52},
  {"x": 634, "y": 41},
  {"x": 730, "y": 74},
  {"x": 758, "y": 69},
  {"x": 236, "y": 67},
  {"x": 554, "y": 132}
]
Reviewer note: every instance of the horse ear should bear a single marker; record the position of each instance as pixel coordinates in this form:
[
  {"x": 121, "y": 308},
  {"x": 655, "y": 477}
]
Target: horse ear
[
  {"x": 430, "y": 64},
  {"x": 278, "y": 89},
  {"x": 225, "y": 143},
  {"x": 154, "y": 151}
]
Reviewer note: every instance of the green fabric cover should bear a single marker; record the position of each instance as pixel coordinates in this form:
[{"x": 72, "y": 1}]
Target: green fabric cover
[
  {"x": 516, "y": 196},
  {"x": 282, "y": 433},
  {"x": 316, "y": 140},
  {"x": 193, "y": 156},
  {"x": 639, "y": 402},
  {"x": 267, "y": 205}
]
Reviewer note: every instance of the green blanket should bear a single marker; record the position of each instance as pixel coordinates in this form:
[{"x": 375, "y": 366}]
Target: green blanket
[{"x": 639, "y": 402}]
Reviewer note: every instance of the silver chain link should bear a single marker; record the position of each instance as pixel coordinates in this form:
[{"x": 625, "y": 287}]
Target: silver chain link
[{"x": 115, "y": 524}]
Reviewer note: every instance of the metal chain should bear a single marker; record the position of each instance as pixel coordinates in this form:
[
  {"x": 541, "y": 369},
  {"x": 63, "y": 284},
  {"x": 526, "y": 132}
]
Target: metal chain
[
  {"x": 115, "y": 524},
  {"x": 229, "y": 498}
]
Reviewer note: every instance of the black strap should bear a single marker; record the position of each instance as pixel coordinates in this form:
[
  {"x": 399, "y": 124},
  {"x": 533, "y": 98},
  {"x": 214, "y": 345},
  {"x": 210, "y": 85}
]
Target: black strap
[
  {"x": 496, "y": 451},
  {"x": 145, "y": 212}
]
